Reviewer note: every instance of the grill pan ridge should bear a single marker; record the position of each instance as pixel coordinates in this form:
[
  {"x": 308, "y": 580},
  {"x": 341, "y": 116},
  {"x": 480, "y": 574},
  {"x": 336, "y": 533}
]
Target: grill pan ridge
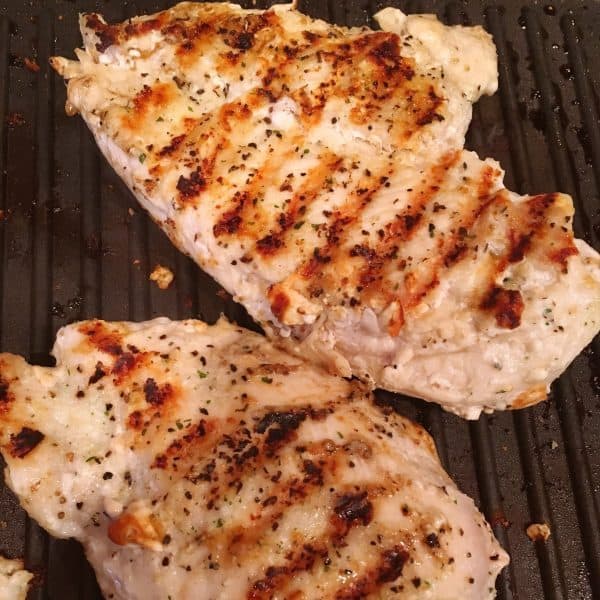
[{"x": 74, "y": 245}]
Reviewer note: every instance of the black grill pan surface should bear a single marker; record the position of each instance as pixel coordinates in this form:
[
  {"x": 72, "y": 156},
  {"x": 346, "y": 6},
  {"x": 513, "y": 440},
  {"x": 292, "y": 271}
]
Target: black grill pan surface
[{"x": 74, "y": 245}]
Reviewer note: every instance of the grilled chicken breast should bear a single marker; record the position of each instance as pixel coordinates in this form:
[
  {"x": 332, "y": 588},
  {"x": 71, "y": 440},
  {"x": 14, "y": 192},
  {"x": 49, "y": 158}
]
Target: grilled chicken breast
[
  {"x": 201, "y": 462},
  {"x": 14, "y": 579},
  {"x": 318, "y": 173}
]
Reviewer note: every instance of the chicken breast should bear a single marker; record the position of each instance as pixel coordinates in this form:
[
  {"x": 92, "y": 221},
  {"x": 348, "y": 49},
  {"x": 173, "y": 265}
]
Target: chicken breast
[
  {"x": 318, "y": 174},
  {"x": 14, "y": 579},
  {"x": 201, "y": 462}
]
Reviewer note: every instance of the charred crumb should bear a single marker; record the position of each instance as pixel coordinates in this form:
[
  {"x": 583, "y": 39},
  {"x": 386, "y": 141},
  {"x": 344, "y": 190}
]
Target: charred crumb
[
  {"x": 106, "y": 34},
  {"x": 155, "y": 394},
  {"x": 124, "y": 364},
  {"x": 506, "y": 306},
  {"x": 191, "y": 186},
  {"x": 24, "y": 442},
  {"x": 354, "y": 509},
  {"x": 280, "y": 426},
  {"x": 98, "y": 374},
  {"x": 391, "y": 564}
]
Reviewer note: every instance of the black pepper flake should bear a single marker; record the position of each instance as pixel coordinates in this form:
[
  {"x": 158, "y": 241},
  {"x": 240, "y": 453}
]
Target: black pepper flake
[{"x": 107, "y": 475}]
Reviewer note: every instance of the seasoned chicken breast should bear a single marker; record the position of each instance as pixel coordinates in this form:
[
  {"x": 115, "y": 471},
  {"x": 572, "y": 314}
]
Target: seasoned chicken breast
[
  {"x": 14, "y": 579},
  {"x": 201, "y": 462},
  {"x": 318, "y": 173}
]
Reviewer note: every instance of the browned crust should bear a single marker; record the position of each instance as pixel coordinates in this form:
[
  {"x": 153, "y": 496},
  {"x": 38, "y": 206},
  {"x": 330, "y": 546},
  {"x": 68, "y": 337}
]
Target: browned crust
[
  {"x": 533, "y": 395},
  {"x": 7, "y": 397},
  {"x": 368, "y": 71},
  {"x": 101, "y": 337}
]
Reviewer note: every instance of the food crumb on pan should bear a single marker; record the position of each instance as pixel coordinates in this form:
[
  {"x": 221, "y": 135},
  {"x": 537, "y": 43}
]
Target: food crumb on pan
[
  {"x": 14, "y": 579},
  {"x": 163, "y": 276},
  {"x": 31, "y": 65},
  {"x": 538, "y": 532}
]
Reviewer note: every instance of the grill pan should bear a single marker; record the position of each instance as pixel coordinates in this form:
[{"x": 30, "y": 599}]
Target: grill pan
[{"x": 74, "y": 245}]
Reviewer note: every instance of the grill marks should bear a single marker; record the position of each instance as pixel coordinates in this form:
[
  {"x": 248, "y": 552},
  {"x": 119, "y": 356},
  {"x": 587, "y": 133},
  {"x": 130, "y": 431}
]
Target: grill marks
[
  {"x": 404, "y": 227},
  {"x": 279, "y": 577},
  {"x": 327, "y": 270},
  {"x": 340, "y": 225},
  {"x": 279, "y": 496},
  {"x": 237, "y": 32},
  {"x": 173, "y": 146},
  {"x": 349, "y": 510},
  {"x": 313, "y": 185},
  {"x": 506, "y": 305},
  {"x": 533, "y": 227},
  {"x": 368, "y": 69},
  {"x": 102, "y": 338},
  {"x": 230, "y": 221},
  {"x": 389, "y": 72},
  {"x": 280, "y": 427},
  {"x": 147, "y": 104},
  {"x": 319, "y": 273},
  {"x": 246, "y": 214},
  {"x": 451, "y": 248},
  {"x": 536, "y": 226},
  {"x": 240, "y": 443},
  {"x": 235, "y": 36},
  {"x": 245, "y": 450},
  {"x": 388, "y": 568},
  {"x": 191, "y": 444},
  {"x": 126, "y": 362},
  {"x": 261, "y": 445}
]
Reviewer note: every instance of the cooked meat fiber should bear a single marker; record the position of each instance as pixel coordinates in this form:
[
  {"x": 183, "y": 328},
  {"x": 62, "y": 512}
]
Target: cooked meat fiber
[
  {"x": 318, "y": 173},
  {"x": 201, "y": 462}
]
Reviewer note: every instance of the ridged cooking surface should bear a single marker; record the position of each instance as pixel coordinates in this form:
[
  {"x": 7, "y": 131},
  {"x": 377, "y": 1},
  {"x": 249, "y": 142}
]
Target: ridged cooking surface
[{"x": 73, "y": 244}]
